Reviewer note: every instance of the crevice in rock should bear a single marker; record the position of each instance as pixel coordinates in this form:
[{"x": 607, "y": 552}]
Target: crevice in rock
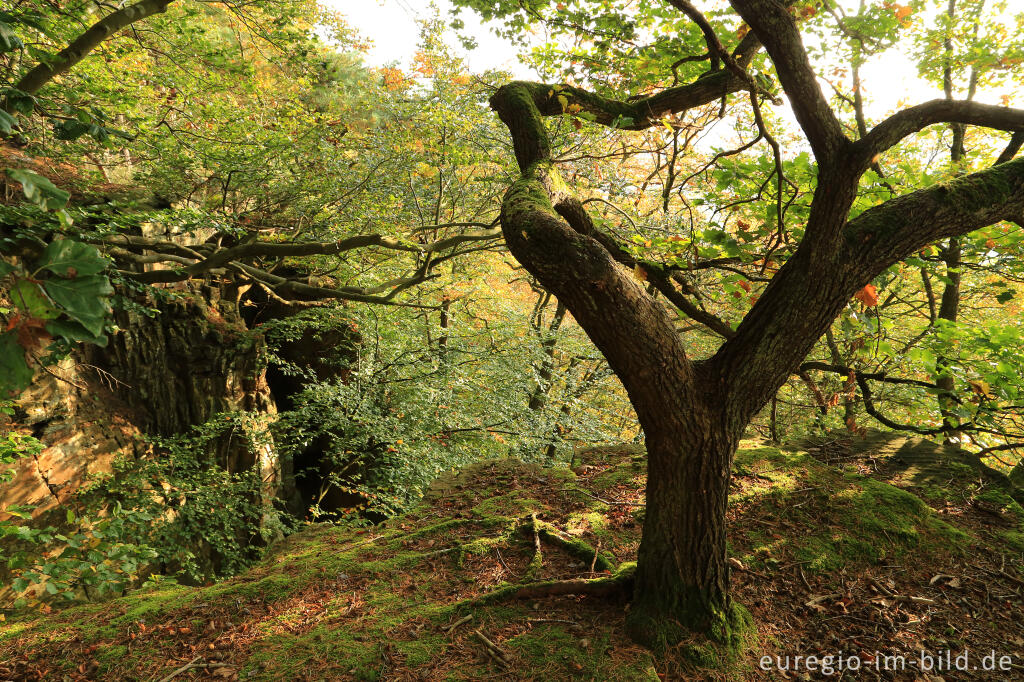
[
  {"x": 39, "y": 428},
  {"x": 46, "y": 479}
]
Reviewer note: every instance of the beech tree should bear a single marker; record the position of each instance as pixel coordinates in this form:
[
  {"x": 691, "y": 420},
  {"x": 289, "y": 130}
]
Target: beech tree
[{"x": 694, "y": 413}]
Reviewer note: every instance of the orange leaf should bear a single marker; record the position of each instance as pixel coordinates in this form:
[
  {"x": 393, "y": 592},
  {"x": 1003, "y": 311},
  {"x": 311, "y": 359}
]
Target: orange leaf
[{"x": 868, "y": 295}]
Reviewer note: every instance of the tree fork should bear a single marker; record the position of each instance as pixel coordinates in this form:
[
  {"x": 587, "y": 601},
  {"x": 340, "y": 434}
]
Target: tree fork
[{"x": 681, "y": 582}]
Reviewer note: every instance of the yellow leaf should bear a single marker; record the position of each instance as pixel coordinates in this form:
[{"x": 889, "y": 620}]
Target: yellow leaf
[{"x": 982, "y": 388}]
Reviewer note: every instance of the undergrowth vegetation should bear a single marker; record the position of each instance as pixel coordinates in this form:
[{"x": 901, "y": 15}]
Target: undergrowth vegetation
[{"x": 455, "y": 587}]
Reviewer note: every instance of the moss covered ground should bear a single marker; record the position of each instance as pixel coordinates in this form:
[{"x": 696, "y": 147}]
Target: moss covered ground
[{"x": 823, "y": 547}]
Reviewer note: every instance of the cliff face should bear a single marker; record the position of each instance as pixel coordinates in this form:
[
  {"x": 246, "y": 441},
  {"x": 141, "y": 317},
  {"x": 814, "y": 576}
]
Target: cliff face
[
  {"x": 84, "y": 427},
  {"x": 189, "y": 361},
  {"x": 166, "y": 370}
]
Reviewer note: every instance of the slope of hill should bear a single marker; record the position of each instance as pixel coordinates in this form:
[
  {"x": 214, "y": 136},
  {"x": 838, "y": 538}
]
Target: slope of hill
[{"x": 828, "y": 557}]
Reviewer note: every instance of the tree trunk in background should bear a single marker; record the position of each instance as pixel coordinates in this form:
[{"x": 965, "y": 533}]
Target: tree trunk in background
[
  {"x": 546, "y": 371},
  {"x": 949, "y": 306}
]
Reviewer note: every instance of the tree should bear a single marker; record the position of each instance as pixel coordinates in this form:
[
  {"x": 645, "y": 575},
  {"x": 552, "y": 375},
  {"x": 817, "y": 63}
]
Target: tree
[{"x": 694, "y": 412}]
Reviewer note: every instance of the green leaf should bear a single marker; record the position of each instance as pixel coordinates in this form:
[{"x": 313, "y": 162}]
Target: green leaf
[
  {"x": 70, "y": 129},
  {"x": 32, "y": 19},
  {"x": 39, "y": 190},
  {"x": 6, "y": 268},
  {"x": 15, "y": 375},
  {"x": 69, "y": 258},
  {"x": 6, "y": 122},
  {"x": 19, "y": 100},
  {"x": 19, "y": 585},
  {"x": 28, "y": 297},
  {"x": 9, "y": 40},
  {"x": 83, "y": 299},
  {"x": 1004, "y": 296},
  {"x": 74, "y": 332}
]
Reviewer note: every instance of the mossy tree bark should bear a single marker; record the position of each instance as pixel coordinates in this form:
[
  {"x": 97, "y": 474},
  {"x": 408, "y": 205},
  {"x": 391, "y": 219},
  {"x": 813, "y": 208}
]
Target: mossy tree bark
[{"x": 693, "y": 413}]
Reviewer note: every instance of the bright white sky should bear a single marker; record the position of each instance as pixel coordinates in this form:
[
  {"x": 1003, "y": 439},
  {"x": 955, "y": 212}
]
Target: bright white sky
[{"x": 391, "y": 25}]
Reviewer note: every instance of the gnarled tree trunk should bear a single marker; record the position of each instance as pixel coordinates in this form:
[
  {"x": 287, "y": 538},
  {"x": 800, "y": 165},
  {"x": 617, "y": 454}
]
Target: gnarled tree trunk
[{"x": 693, "y": 413}]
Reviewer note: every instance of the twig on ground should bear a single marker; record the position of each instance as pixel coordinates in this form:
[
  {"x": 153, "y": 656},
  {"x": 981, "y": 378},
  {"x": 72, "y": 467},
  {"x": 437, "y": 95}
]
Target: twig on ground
[
  {"x": 493, "y": 649},
  {"x": 550, "y": 620},
  {"x": 192, "y": 665},
  {"x": 501, "y": 560},
  {"x": 451, "y": 628},
  {"x": 881, "y": 588}
]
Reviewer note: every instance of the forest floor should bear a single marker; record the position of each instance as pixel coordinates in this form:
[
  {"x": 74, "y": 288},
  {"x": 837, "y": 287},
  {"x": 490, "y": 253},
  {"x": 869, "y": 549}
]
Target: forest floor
[{"x": 875, "y": 549}]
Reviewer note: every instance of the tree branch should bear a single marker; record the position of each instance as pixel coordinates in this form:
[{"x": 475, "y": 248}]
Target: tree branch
[
  {"x": 885, "y": 234},
  {"x": 560, "y": 99},
  {"x": 1012, "y": 147},
  {"x": 908, "y": 121},
  {"x": 873, "y": 376},
  {"x": 47, "y": 69},
  {"x": 799, "y": 304},
  {"x": 777, "y": 30}
]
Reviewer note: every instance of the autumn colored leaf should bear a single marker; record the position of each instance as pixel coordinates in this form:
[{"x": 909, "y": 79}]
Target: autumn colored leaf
[
  {"x": 868, "y": 296},
  {"x": 982, "y": 389}
]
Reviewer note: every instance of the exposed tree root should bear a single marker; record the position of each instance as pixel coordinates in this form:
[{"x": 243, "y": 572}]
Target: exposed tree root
[
  {"x": 620, "y": 582},
  {"x": 538, "y": 556},
  {"x": 577, "y": 548}
]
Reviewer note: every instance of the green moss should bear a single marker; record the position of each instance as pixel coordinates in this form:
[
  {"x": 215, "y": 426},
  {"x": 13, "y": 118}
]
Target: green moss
[
  {"x": 423, "y": 650},
  {"x": 978, "y": 191},
  {"x": 353, "y": 655},
  {"x": 554, "y": 653},
  {"x": 801, "y": 510},
  {"x": 512, "y": 505},
  {"x": 518, "y": 101},
  {"x": 112, "y": 654},
  {"x": 883, "y": 509},
  {"x": 1013, "y": 538},
  {"x": 624, "y": 474},
  {"x": 147, "y": 605}
]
